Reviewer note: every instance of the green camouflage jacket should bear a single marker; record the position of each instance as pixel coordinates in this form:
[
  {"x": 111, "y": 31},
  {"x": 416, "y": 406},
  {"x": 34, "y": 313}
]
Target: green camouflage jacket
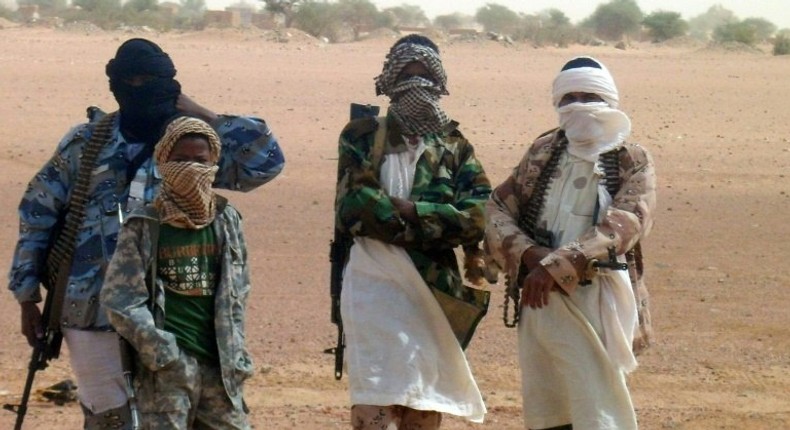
[
  {"x": 449, "y": 192},
  {"x": 139, "y": 319}
]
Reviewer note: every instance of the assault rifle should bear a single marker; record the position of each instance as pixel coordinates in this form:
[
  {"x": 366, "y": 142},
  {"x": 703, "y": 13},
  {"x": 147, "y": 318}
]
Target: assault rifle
[
  {"x": 44, "y": 350},
  {"x": 338, "y": 255}
]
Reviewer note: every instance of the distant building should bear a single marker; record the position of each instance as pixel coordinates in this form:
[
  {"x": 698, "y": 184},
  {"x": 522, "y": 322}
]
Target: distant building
[{"x": 242, "y": 14}]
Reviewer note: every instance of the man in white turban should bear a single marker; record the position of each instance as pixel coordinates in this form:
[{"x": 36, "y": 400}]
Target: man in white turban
[{"x": 565, "y": 228}]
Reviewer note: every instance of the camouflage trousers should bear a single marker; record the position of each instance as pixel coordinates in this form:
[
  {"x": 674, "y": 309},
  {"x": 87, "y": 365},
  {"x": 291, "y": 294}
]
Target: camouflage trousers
[
  {"x": 186, "y": 395},
  {"x": 393, "y": 417}
]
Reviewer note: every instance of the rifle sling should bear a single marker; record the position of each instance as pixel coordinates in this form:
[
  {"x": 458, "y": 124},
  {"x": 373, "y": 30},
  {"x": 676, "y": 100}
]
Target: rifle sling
[{"x": 61, "y": 254}]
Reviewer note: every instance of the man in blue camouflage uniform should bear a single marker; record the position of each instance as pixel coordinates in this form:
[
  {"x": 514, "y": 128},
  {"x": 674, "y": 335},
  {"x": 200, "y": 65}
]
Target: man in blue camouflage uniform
[{"x": 142, "y": 81}]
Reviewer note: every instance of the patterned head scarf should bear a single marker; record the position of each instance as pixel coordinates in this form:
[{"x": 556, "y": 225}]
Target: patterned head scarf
[
  {"x": 186, "y": 125},
  {"x": 186, "y": 198},
  {"x": 414, "y": 102}
]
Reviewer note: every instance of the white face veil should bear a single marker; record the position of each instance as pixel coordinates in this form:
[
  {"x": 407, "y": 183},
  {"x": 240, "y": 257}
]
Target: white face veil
[{"x": 591, "y": 128}]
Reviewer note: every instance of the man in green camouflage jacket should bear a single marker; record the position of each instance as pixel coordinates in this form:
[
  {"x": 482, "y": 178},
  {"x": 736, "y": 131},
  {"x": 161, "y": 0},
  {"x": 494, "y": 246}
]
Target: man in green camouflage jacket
[{"x": 410, "y": 191}]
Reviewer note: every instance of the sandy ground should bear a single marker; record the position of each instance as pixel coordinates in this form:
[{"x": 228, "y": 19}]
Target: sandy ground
[{"x": 715, "y": 120}]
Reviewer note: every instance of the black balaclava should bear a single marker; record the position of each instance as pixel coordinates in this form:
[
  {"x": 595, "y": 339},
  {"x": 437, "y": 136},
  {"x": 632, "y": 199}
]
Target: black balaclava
[{"x": 144, "y": 109}]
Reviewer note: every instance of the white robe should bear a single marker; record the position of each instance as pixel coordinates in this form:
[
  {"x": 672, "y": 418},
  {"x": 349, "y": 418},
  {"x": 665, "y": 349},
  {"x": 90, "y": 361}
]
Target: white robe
[
  {"x": 574, "y": 353},
  {"x": 400, "y": 348}
]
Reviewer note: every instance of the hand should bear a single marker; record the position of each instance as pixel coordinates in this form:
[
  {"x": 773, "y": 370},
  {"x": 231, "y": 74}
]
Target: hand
[
  {"x": 406, "y": 209},
  {"x": 533, "y": 255},
  {"x": 536, "y": 288},
  {"x": 31, "y": 322},
  {"x": 187, "y": 106},
  {"x": 474, "y": 266}
]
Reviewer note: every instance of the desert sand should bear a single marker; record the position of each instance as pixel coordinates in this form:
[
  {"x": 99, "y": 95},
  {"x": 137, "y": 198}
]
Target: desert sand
[{"x": 716, "y": 121}]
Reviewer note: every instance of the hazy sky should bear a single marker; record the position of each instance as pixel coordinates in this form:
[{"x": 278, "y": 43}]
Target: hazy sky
[{"x": 776, "y": 11}]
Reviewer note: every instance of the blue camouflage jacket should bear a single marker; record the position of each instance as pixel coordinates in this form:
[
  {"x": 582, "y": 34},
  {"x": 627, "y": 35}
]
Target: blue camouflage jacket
[{"x": 250, "y": 157}]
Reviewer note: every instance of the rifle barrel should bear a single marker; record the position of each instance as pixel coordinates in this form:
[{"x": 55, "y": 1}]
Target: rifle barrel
[{"x": 38, "y": 361}]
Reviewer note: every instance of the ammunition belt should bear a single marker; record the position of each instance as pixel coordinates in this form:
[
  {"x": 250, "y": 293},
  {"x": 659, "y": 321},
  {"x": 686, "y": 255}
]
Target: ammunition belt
[
  {"x": 610, "y": 163},
  {"x": 531, "y": 211},
  {"x": 61, "y": 253}
]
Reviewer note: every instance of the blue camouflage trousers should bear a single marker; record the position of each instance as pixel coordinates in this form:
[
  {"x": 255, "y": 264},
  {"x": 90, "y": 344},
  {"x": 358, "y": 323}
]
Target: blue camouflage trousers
[{"x": 186, "y": 395}]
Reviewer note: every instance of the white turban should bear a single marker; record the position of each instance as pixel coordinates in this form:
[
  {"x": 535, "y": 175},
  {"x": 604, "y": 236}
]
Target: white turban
[
  {"x": 592, "y": 128},
  {"x": 581, "y": 76}
]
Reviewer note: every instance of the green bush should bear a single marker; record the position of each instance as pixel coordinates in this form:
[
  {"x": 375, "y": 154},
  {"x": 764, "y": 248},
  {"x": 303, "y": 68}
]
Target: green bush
[
  {"x": 763, "y": 29},
  {"x": 613, "y": 20},
  {"x": 448, "y": 22},
  {"x": 314, "y": 18},
  {"x": 337, "y": 21},
  {"x": 6, "y": 13},
  {"x": 550, "y": 27},
  {"x": 703, "y": 25},
  {"x": 782, "y": 45},
  {"x": 735, "y": 32},
  {"x": 497, "y": 18},
  {"x": 406, "y": 15},
  {"x": 665, "y": 25}
]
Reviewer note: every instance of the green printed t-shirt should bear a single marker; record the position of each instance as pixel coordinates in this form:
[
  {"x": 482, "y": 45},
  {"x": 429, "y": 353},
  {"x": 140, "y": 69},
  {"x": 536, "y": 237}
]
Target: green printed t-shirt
[{"x": 188, "y": 265}]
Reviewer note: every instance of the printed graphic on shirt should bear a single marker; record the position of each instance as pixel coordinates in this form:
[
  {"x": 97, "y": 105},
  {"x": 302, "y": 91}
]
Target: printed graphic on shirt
[{"x": 188, "y": 261}]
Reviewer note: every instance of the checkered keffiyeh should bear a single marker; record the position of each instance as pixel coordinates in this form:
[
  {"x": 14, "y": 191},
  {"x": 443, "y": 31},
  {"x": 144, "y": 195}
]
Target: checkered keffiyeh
[
  {"x": 404, "y": 54},
  {"x": 178, "y": 128},
  {"x": 414, "y": 101},
  {"x": 186, "y": 198}
]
